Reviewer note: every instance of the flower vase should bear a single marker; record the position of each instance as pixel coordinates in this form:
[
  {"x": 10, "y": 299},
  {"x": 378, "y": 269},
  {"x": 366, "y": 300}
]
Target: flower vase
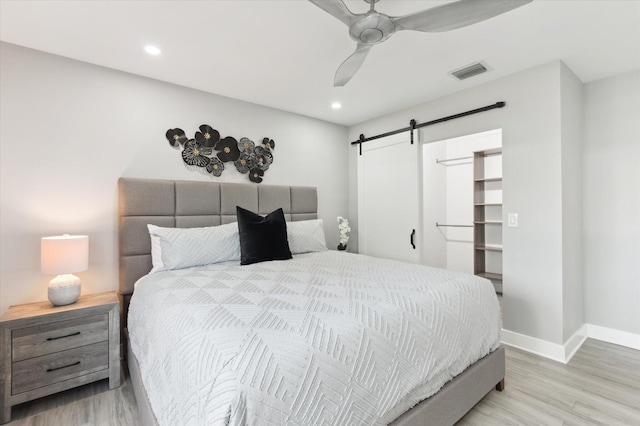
[{"x": 342, "y": 247}]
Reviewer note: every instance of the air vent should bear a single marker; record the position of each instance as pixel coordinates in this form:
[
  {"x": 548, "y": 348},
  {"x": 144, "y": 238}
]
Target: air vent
[{"x": 469, "y": 71}]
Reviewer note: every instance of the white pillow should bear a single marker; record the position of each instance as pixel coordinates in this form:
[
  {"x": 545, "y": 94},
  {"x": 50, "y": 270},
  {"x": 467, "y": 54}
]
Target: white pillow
[
  {"x": 306, "y": 236},
  {"x": 156, "y": 250},
  {"x": 177, "y": 248}
]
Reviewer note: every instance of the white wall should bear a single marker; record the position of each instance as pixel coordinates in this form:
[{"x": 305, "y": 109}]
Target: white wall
[
  {"x": 531, "y": 140},
  {"x": 69, "y": 130},
  {"x": 459, "y": 206},
  {"x": 434, "y": 205},
  {"x": 611, "y": 203}
]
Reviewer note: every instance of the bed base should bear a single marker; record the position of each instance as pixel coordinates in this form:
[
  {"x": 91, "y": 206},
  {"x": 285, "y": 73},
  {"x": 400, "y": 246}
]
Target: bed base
[
  {"x": 460, "y": 395},
  {"x": 444, "y": 408}
]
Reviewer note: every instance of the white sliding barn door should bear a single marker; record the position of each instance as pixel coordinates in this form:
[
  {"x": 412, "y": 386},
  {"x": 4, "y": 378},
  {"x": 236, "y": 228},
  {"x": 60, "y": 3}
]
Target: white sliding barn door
[{"x": 389, "y": 198}]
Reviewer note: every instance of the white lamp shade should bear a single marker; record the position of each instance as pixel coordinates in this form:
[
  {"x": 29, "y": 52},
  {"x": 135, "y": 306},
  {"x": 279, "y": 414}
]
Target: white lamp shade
[{"x": 64, "y": 254}]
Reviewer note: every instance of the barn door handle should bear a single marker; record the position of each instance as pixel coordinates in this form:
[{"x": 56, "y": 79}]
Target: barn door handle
[{"x": 413, "y": 234}]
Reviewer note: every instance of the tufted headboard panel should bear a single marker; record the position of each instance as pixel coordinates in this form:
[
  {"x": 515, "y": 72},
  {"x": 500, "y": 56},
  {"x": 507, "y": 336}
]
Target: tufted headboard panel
[{"x": 188, "y": 204}]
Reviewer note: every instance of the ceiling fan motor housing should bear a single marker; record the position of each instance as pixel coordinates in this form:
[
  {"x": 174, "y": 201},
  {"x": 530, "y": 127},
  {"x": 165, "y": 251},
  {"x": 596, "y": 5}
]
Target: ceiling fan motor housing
[{"x": 372, "y": 29}]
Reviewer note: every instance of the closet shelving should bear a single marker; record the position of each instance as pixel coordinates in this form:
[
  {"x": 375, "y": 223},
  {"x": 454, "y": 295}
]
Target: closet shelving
[{"x": 487, "y": 220}]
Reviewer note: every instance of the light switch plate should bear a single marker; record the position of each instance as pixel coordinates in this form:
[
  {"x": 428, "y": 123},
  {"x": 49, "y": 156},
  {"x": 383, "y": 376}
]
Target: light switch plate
[{"x": 512, "y": 220}]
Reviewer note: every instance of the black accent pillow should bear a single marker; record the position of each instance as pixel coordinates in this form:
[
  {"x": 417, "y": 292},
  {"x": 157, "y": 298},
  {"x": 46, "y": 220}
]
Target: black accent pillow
[{"x": 262, "y": 238}]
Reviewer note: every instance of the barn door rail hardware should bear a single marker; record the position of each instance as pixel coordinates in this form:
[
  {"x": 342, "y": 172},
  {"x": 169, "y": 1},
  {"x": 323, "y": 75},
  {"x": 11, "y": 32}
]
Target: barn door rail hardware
[{"x": 412, "y": 124}]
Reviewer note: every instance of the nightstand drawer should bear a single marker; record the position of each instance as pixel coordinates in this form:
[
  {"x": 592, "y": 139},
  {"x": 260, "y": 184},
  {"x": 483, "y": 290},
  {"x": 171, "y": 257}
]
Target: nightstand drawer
[
  {"x": 46, "y": 339},
  {"x": 42, "y": 371}
]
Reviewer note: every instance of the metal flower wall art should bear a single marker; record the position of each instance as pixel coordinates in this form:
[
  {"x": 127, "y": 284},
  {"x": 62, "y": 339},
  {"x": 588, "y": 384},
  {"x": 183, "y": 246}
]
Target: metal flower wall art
[{"x": 209, "y": 152}]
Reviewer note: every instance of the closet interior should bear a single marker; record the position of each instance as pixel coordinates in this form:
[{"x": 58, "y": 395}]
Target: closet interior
[{"x": 462, "y": 205}]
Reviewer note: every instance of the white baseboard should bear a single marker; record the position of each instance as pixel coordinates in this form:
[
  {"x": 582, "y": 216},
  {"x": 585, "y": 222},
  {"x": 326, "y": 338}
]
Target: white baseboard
[
  {"x": 617, "y": 337},
  {"x": 564, "y": 353},
  {"x": 534, "y": 345},
  {"x": 574, "y": 342}
]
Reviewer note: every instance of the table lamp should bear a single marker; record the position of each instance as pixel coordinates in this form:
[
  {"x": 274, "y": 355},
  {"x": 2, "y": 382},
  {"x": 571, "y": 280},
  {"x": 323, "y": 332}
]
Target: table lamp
[{"x": 63, "y": 255}]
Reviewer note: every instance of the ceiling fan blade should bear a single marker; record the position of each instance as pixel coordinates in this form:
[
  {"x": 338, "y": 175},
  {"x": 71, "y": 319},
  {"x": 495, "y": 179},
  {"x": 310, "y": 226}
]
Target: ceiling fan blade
[
  {"x": 336, "y": 8},
  {"x": 455, "y": 15},
  {"x": 351, "y": 65}
]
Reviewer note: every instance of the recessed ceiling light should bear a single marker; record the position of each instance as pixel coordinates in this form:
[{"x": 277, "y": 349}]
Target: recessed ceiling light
[
  {"x": 336, "y": 105},
  {"x": 152, "y": 50}
]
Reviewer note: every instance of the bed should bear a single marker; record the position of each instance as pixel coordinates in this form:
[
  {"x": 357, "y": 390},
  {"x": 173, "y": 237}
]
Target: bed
[{"x": 316, "y": 325}]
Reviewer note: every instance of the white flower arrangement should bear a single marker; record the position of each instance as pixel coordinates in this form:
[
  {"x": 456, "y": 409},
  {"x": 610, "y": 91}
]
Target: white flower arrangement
[{"x": 344, "y": 229}]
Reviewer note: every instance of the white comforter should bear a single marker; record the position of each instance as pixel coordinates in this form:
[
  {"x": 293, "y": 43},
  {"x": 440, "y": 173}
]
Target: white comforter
[{"x": 323, "y": 339}]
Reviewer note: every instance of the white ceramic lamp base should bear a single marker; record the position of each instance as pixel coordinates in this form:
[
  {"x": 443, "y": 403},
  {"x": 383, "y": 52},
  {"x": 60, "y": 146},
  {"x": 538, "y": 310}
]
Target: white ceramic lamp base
[{"x": 64, "y": 289}]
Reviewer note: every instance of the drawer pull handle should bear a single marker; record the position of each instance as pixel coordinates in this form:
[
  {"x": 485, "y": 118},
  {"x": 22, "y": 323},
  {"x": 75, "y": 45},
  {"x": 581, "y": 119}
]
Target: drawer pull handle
[
  {"x": 64, "y": 366},
  {"x": 62, "y": 337}
]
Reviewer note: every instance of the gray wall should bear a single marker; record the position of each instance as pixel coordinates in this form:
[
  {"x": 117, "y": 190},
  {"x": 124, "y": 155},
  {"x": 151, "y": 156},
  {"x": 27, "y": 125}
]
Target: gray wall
[
  {"x": 532, "y": 124},
  {"x": 611, "y": 182},
  {"x": 571, "y": 134},
  {"x": 70, "y": 129}
]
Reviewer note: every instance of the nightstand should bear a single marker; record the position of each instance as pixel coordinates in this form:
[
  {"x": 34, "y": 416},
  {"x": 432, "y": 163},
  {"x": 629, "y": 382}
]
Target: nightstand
[{"x": 46, "y": 349}]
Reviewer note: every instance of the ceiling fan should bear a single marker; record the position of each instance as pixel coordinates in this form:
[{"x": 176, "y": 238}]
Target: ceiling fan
[{"x": 371, "y": 28}]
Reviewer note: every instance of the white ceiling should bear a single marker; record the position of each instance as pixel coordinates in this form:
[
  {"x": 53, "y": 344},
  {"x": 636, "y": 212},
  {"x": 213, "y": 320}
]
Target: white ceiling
[{"x": 284, "y": 53}]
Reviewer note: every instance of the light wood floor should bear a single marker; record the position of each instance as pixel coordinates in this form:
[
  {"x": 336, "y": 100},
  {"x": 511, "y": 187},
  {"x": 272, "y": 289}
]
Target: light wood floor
[{"x": 600, "y": 386}]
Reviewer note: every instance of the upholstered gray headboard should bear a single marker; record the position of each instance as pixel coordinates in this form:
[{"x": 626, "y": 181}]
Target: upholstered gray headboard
[{"x": 188, "y": 204}]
